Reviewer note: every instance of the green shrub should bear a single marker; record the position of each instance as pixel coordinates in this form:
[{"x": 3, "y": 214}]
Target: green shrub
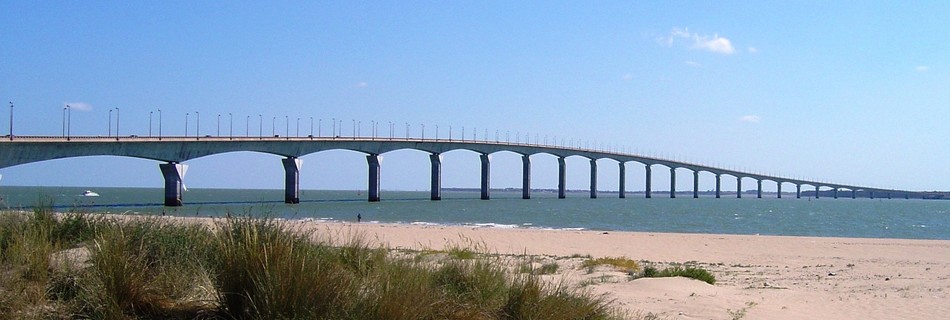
[
  {"x": 623, "y": 264},
  {"x": 688, "y": 272}
]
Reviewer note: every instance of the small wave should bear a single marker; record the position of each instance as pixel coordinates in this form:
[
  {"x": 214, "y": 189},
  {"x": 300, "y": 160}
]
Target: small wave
[
  {"x": 423, "y": 223},
  {"x": 495, "y": 225}
]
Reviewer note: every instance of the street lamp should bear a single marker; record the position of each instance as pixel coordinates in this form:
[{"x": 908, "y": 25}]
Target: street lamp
[
  {"x": 319, "y": 127},
  {"x": 297, "y": 134},
  {"x": 354, "y": 128},
  {"x": 230, "y": 125},
  {"x": 311, "y": 127},
  {"x": 260, "y": 128},
  {"x": 69, "y": 121},
  {"x": 273, "y": 126},
  {"x": 423, "y": 131},
  {"x": 334, "y": 128},
  {"x": 159, "y": 124},
  {"x": 287, "y": 126},
  {"x": 110, "y": 123},
  {"x": 186, "y": 124},
  {"x": 117, "y": 123},
  {"x": 247, "y": 126},
  {"x": 197, "y": 124},
  {"x": 407, "y": 130},
  {"x": 64, "y": 121},
  {"x": 11, "y": 121},
  {"x": 218, "y": 134},
  {"x": 150, "y": 123}
]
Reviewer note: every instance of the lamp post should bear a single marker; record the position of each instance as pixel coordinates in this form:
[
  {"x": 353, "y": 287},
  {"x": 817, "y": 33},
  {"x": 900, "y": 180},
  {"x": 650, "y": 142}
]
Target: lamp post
[
  {"x": 197, "y": 124},
  {"x": 150, "y": 123},
  {"x": 287, "y": 126},
  {"x": 69, "y": 120},
  {"x": 230, "y": 125},
  {"x": 11, "y": 120},
  {"x": 319, "y": 127},
  {"x": 116, "y": 123},
  {"x": 260, "y": 126},
  {"x": 110, "y": 124},
  {"x": 159, "y": 124},
  {"x": 311, "y": 127},
  {"x": 354, "y": 128},
  {"x": 218, "y": 128},
  {"x": 407, "y": 130},
  {"x": 423, "y": 131},
  {"x": 273, "y": 126},
  {"x": 437, "y": 132},
  {"x": 247, "y": 126},
  {"x": 359, "y": 130},
  {"x": 334, "y": 128},
  {"x": 186, "y": 124},
  {"x": 297, "y": 134},
  {"x": 64, "y": 122}
]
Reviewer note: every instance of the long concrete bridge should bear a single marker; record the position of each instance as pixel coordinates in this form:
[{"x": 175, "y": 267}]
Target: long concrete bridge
[{"x": 173, "y": 151}]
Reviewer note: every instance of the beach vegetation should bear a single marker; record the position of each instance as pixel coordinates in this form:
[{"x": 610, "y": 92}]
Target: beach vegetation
[
  {"x": 81, "y": 265},
  {"x": 622, "y": 264},
  {"x": 677, "y": 271}
]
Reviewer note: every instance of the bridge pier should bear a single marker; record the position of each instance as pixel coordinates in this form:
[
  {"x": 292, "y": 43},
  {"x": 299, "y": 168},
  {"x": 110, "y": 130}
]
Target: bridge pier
[
  {"x": 779, "y": 184},
  {"x": 291, "y": 179},
  {"x": 561, "y": 178},
  {"x": 758, "y": 192},
  {"x": 647, "y": 192},
  {"x": 836, "y": 193},
  {"x": 798, "y": 191},
  {"x": 593, "y": 179},
  {"x": 672, "y": 183},
  {"x": 173, "y": 173},
  {"x": 718, "y": 185},
  {"x": 486, "y": 176},
  {"x": 373, "y": 189},
  {"x": 623, "y": 180},
  {"x": 817, "y": 190},
  {"x": 525, "y": 177},
  {"x": 871, "y": 194},
  {"x": 695, "y": 184},
  {"x": 435, "y": 186},
  {"x": 739, "y": 188},
  {"x": 854, "y": 194}
]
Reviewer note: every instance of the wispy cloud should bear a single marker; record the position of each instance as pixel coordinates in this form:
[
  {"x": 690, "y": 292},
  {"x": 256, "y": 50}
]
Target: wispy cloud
[
  {"x": 750, "y": 118},
  {"x": 922, "y": 68},
  {"x": 362, "y": 85},
  {"x": 714, "y": 43},
  {"x": 78, "y": 106},
  {"x": 627, "y": 77}
]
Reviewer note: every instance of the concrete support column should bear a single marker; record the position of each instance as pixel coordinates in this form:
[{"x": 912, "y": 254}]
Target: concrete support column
[
  {"x": 836, "y": 193},
  {"x": 486, "y": 176},
  {"x": 779, "y": 185},
  {"x": 695, "y": 184},
  {"x": 871, "y": 194},
  {"x": 373, "y": 186},
  {"x": 525, "y": 177},
  {"x": 798, "y": 191},
  {"x": 648, "y": 192},
  {"x": 817, "y": 190},
  {"x": 672, "y": 183},
  {"x": 435, "y": 186},
  {"x": 888, "y": 195},
  {"x": 758, "y": 190},
  {"x": 854, "y": 194},
  {"x": 291, "y": 179},
  {"x": 623, "y": 180},
  {"x": 718, "y": 185},
  {"x": 593, "y": 179},
  {"x": 561, "y": 178},
  {"x": 173, "y": 173},
  {"x": 739, "y": 187}
]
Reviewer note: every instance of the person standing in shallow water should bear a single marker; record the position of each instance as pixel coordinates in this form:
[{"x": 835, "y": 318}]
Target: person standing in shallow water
[{"x": 358, "y": 218}]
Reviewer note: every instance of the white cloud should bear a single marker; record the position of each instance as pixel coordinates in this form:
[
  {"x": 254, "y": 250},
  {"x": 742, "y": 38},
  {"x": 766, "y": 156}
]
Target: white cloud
[
  {"x": 78, "y": 106},
  {"x": 753, "y": 50},
  {"x": 750, "y": 118},
  {"x": 922, "y": 68},
  {"x": 362, "y": 85},
  {"x": 715, "y": 43},
  {"x": 693, "y": 63},
  {"x": 627, "y": 77}
]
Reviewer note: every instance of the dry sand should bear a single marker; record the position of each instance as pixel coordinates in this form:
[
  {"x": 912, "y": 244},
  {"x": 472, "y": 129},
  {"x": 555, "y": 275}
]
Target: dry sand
[{"x": 758, "y": 277}]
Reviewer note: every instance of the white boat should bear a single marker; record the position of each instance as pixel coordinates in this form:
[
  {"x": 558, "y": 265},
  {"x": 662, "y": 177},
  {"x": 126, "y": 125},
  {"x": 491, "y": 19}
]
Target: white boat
[{"x": 89, "y": 193}]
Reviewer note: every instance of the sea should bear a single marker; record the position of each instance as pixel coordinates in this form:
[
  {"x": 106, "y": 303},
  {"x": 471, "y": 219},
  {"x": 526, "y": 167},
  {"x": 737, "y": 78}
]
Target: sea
[{"x": 824, "y": 217}]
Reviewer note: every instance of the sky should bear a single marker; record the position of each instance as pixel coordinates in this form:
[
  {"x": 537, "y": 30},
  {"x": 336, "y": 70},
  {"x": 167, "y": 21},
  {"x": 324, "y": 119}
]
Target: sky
[{"x": 850, "y": 92}]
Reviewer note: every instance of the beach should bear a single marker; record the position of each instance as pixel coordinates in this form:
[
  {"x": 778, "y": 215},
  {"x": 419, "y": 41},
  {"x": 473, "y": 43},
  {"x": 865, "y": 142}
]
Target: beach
[{"x": 758, "y": 277}]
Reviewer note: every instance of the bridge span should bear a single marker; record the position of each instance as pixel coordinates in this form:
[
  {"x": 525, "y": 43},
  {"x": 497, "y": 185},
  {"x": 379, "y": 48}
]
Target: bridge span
[{"x": 171, "y": 152}]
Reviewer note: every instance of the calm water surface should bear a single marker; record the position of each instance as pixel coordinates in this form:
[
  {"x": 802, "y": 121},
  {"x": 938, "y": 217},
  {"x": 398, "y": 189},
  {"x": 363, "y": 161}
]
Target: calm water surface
[{"x": 865, "y": 218}]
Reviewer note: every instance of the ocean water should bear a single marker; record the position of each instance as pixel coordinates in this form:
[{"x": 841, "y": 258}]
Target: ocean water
[{"x": 825, "y": 217}]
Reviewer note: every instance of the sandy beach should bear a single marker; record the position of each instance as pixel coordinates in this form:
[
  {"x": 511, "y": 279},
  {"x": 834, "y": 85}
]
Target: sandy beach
[{"x": 758, "y": 277}]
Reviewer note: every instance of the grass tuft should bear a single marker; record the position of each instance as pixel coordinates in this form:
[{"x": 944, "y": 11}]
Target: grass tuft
[
  {"x": 688, "y": 272},
  {"x": 623, "y": 264}
]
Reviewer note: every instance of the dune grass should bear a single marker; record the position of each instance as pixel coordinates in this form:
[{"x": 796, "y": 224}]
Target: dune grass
[
  {"x": 676, "y": 271},
  {"x": 248, "y": 268}
]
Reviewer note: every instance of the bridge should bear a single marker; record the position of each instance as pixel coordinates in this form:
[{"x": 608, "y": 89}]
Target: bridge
[{"x": 171, "y": 152}]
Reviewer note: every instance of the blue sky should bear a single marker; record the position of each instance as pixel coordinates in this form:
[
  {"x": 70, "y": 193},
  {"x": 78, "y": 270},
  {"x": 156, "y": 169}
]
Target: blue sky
[{"x": 848, "y": 92}]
